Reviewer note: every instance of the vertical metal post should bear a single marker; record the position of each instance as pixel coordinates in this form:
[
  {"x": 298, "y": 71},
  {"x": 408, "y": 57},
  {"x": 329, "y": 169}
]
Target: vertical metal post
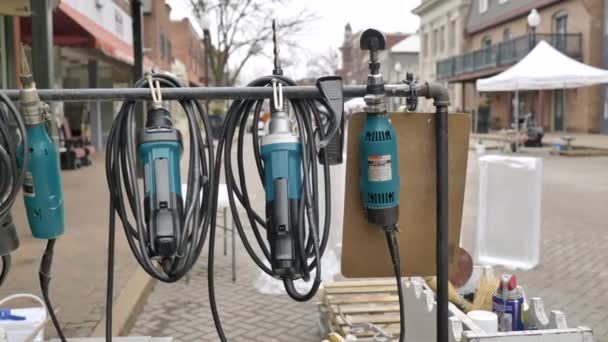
[
  {"x": 94, "y": 107},
  {"x": 442, "y": 243},
  {"x": 604, "y": 109},
  {"x": 43, "y": 61},
  {"x": 42, "y": 44},
  {"x": 138, "y": 43}
]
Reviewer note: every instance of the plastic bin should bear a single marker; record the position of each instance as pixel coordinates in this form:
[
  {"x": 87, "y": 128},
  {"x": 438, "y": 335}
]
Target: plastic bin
[
  {"x": 21, "y": 331},
  {"x": 509, "y": 211}
]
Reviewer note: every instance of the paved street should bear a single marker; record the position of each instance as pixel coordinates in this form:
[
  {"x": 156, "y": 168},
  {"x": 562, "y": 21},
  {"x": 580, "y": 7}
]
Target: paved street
[
  {"x": 572, "y": 275},
  {"x": 78, "y": 284}
]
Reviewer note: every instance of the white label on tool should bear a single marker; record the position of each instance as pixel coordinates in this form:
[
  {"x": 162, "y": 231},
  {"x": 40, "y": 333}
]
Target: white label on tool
[
  {"x": 379, "y": 168},
  {"x": 28, "y": 185}
]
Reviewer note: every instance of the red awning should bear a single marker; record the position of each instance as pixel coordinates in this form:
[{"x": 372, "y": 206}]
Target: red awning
[{"x": 73, "y": 29}]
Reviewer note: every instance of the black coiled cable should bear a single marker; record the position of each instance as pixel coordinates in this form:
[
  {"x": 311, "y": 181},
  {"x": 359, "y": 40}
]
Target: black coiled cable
[
  {"x": 312, "y": 241},
  {"x": 13, "y": 162},
  {"x": 198, "y": 211}
]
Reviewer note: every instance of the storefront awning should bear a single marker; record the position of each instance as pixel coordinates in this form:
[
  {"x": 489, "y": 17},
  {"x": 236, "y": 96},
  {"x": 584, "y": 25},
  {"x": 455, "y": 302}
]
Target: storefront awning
[{"x": 73, "y": 29}]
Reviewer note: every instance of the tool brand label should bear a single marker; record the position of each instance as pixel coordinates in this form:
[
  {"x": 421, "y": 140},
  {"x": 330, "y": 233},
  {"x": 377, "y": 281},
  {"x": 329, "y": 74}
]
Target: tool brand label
[
  {"x": 379, "y": 168},
  {"x": 28, "y": 185}
]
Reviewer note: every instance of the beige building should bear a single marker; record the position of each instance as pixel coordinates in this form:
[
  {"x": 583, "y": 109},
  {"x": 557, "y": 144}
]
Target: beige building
[
  {"x": 442, "y": 26},
  {"x": 498, "y": 35}
]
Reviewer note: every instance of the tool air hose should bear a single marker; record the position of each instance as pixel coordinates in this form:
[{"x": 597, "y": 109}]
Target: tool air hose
[
  {"x": 311, "y": 241},
  {"x": 13, "y": 161},
  {"x": 165, "y": 233}
]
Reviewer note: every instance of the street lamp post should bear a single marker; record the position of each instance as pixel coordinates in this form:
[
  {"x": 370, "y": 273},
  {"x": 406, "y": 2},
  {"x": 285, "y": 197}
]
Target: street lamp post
[{"x": 533, "y": 22}]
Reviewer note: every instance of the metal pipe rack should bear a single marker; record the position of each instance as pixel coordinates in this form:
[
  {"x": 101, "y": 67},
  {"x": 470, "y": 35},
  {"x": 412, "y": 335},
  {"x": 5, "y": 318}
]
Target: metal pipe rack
[
  {"x": 430, "y": 91},
  {"x": 202, "y": 93}
]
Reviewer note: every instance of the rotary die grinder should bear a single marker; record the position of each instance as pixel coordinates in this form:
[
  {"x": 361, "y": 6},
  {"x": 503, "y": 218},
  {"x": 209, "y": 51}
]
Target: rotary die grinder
[
  {"x": 160, "y": 148},
  {"x": 378, "y": 144}
]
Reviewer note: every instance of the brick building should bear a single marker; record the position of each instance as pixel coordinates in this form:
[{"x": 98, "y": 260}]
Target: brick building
[
  {"x": 188, "y": 48},
  {"x": 442, "y": 35},
  {"x": 158, "y": 44},
  {"x": 497, "y": 36}
]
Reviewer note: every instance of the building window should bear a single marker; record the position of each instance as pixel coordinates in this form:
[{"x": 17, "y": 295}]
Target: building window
[
  {"x": 435, "y": 41},
  {"x": 163, "y": 53},
  {"x": 486, "y": 42},
  {"x": 425, "y": 44},
  {"x": 507, "y": 35},
  {"x": 560, "y": 28},
  {"x": 452, "y": 34},
  {"x": 442, "y": 39},
  {"x": 483, "y": 6},
  {"x": 486, "y": 45}
]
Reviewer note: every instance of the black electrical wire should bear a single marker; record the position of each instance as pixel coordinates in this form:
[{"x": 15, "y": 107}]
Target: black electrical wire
[
  {"x": 6, "y": 266},
  {"x": 393, "y": 247},
  {"x": 45, "y": 279},
  {"x": 14, "y": 157},
  {"x": 311, "y": 240},
  {"x": 198, "y": 211}
]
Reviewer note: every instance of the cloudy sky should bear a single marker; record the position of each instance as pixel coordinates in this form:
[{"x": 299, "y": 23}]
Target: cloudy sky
[{"x": 328, "y": 31}]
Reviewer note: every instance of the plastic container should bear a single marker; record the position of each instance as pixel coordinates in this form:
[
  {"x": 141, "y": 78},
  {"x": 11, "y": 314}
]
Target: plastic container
[
  {"x": 32, "y": 328},
  {"x": 509, "y": 211}
]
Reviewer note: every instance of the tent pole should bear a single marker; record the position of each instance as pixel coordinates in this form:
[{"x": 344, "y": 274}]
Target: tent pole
[{"x": 516, "y": 120}]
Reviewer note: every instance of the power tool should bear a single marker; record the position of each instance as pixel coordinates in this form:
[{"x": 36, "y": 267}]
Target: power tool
[
  {"x": 379, "y": 163},
  {"x": 42, "y": 188},
  {"x": 281, "y": 151},
  {"x": 378, "y": 145},
  {"x": 160, "y": 149}
]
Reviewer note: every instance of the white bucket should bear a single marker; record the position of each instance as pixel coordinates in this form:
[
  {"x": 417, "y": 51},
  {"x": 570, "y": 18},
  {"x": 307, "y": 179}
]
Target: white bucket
[{"x": 28, "y": 330}]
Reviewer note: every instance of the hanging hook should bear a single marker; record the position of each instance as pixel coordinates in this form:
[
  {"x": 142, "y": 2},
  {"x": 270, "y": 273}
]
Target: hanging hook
[
  {"x": 277, "y": 95},
  {"x": 155, "y": 91}
]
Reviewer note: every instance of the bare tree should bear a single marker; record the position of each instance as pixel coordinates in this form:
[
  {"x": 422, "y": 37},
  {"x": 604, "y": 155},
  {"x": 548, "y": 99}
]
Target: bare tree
[
  {"x": 323, "y": 64},
  {"x": 244, "y": 28}
]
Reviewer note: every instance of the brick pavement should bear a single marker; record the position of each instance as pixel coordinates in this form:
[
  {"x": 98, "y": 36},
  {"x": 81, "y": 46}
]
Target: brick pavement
[
  {"x": 78, "y": 284},
  {"x": 572, "y": 275},
  {"x": 182, "y": 309}
]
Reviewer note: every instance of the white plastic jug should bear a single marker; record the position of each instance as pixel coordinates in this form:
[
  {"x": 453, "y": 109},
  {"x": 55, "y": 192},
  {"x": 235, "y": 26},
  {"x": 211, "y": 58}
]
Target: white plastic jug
[
  {"x": 29, "y": 330},
  {"x": 509, "y": 211}
]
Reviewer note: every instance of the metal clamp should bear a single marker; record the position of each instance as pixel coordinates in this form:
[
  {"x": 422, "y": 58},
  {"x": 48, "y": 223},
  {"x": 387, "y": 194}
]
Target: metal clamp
[
  {"x": 411, "y": 98},
  {"x": 155, "y": 91},
  {"x": 277, "y": 95}
]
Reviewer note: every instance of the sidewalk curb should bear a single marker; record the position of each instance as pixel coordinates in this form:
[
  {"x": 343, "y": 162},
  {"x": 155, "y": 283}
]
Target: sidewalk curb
[{"x": 128, "y": 304}]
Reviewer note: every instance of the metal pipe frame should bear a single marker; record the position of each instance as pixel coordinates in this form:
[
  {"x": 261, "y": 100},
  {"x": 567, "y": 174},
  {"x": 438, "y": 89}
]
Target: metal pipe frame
[
  {"x": 201, "y": 93},
  {"x": 430, "y": 91}
]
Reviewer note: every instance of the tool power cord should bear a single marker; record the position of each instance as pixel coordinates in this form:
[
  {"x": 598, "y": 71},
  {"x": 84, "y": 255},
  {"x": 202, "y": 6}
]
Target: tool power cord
[
  {"x": 11, "y": 175},
  {"x": 45, "y": 279},
  {"x": 393, "y": 247},
  {"x": 121, "y": 176},
  {"x": 311, "y": 241}
]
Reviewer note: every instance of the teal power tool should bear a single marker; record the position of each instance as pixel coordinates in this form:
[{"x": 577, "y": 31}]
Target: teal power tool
[
  {"x": 379, "y": 163},
  {"x": 160, "y": 149},
  {"x": 378, "y": 145},
  {"x": 42, "y": 189},
  {"x": 281, "y": 151}
]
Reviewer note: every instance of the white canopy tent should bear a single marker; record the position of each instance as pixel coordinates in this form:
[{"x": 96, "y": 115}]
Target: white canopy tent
[{"x": 543, "y": 68}]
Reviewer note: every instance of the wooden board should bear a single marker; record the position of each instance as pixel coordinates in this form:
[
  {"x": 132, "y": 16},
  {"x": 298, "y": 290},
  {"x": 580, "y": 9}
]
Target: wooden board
[
  {"x": 363, "y": 301},
  {"x": 364, "y": 250}
]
